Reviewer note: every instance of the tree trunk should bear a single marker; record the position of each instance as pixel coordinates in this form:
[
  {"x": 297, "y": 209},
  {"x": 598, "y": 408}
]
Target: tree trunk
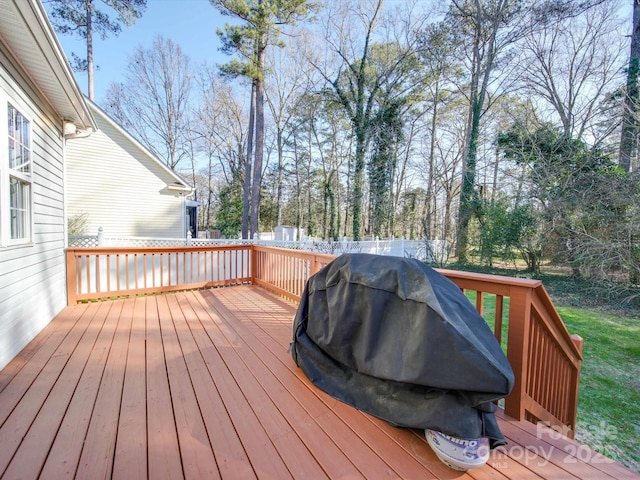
[
  {"x": 257, "y": 163},
  {"x": 403, "y": 170},
  {"x": 483, "y": 65},
  {"x": 429, "y": 221},
  {"x": 629, "y": 138},
  {"x": 348, "y": 196},
  {"x": 333, "y": 229},
  {"x": 311, "y": 221},
  {"x": 358, "y": 183},
  {"x": 246, "y": 188},
  {"x": 298, "y": 193},
  {"x": 279, "y": 179},
  {"x": 468, "y": 194},
  {"x": 259, "y": 151},
  {"x": 210, "y": 192},
  {"x": 90, "y": 92},
  {"x": 496, "y": 170}
]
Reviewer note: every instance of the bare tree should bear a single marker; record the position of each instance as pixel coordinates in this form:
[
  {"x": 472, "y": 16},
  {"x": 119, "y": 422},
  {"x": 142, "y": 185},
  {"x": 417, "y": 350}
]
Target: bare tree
[
  {"x": 353, "y": 89},
  {"x": 152, "y": 102},
  {"x": 291, "y": 77},
  {"x": 359, "y": 70},
  {"x": 220, "y": 130},
  {"x": 572, "y": 65},
  {"x": 443, "y": 71},
  {"x": 446, "y": 171},
  {"x": 490, "y": 29}
]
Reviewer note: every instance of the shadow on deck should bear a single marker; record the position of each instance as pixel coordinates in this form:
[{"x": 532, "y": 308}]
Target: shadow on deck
[{"x": 199, "y": 384}]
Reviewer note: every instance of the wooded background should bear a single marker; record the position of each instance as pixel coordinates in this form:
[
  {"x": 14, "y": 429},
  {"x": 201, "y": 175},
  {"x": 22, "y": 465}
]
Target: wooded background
[{"x": 508, "y": 128}]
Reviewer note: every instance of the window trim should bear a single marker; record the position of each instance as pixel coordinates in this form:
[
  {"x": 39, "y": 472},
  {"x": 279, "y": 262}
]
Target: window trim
[{"x": 6, "y": 174}]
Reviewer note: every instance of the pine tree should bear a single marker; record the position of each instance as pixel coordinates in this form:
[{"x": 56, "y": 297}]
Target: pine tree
[
  {"x": 84, "y": 19},
  {"x": 262, "y": 25}
]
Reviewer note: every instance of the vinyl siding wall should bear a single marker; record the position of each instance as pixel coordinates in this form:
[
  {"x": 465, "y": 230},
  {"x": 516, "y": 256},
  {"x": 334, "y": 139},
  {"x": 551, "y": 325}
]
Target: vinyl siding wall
[
  {"x": 32, "y": 276},
  {"x": 119, "y": 187}
]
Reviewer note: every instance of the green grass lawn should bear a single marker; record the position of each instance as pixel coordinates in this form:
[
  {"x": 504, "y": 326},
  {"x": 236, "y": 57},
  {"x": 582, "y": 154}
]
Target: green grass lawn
[
  {"x": 609, "y": 397},
  {"x": 609, "y": 402}
]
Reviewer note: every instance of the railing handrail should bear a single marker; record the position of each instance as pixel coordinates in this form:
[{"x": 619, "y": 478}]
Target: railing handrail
[
  {"x": 545, "y": 358},
  {"x": 503, "y": 285},
  {"x": 317, "y": 256},
  {"x": 155, "y": 249},
  {"x": 490, "y": 278}
]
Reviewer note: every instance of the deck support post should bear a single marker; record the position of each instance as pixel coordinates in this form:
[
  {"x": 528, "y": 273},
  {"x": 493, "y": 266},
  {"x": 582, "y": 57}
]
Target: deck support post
[
  {"x": 575, "y": 386},
  {"x": 518, "y": 351},
  {"x": 253, "y": 267},
  {"x": 71, "y": 277}
]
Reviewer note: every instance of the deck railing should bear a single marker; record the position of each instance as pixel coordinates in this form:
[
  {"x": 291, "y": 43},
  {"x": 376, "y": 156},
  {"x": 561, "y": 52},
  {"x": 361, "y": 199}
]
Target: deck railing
[
  {"x": 546, "y": 360},
  {"x": 284, "y": 271},
  {"x": 107, "y": 272}
]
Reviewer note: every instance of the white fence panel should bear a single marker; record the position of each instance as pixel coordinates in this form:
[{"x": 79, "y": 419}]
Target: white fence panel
[{"x": 430, "y": 251}]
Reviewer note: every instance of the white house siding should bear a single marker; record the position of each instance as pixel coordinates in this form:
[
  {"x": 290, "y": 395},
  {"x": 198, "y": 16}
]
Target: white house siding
[
  {"x": 119, "y": 186},
  {"x": 32, "y": 277}
]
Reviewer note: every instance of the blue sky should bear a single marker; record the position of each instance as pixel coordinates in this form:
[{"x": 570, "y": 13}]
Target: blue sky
[{"x": 189, "y": 23}]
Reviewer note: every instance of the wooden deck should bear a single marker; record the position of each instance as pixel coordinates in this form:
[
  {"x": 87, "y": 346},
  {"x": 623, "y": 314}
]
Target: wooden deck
[{"x": 200, "y": 385}]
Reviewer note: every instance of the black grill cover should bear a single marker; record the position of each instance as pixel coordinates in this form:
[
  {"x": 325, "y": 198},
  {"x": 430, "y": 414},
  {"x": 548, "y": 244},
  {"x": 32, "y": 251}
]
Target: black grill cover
[{"x": 394, "y": 338}]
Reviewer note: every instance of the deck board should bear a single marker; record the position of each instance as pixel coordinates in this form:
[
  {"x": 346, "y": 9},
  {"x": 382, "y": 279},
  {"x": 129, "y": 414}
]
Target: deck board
[
  {"x": 198, "y": 460},
  {"x": 129, "y": 444},
  {"x": 60, "y": 366},
  {"x": 229, "y": 452},
  {"x": 347, "y": 425},
  {"x": 163, "y": 445},
  {"x": 70, "y": 402},
  {"x": 337, "y": 436},
  {"x": 200, "y": 385},
  {"x": 262, "y": 454},
  {"x": 279, "y": 388},
  {"x": 246, "y": 371}
]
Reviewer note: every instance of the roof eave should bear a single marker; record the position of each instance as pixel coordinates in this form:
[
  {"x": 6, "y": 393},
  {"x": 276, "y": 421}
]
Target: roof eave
[{"x": 42, "y": 58}]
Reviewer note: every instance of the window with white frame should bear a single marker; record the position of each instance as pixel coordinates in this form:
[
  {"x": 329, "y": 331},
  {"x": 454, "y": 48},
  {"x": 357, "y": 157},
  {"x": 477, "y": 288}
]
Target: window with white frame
[{"x": 15, "y": 177}]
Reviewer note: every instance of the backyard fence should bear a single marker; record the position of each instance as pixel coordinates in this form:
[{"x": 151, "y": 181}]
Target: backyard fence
[{"x": 430, "y": 251}]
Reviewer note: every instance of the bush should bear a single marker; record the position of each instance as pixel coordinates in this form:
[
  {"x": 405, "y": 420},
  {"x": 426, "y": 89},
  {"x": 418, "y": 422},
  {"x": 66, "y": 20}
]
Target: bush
[
  {"x": 504, "y": 230},
  {"x": 77, "y": 224}
]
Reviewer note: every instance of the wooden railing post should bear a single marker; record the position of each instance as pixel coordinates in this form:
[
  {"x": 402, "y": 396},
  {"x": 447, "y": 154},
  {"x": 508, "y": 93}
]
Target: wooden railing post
[
  {"x": 575, "y": 384},
  {"x": 316, "y": 266},
  {"x": 72, "y": 276},
  {"x": 254, "y": 263},
  {"x": 518, "y": 350}
]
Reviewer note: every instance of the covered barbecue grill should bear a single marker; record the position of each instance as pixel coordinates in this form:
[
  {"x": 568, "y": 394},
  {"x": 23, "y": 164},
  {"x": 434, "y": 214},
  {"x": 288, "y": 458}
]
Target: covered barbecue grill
[{"x": 394, "y": 338}]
